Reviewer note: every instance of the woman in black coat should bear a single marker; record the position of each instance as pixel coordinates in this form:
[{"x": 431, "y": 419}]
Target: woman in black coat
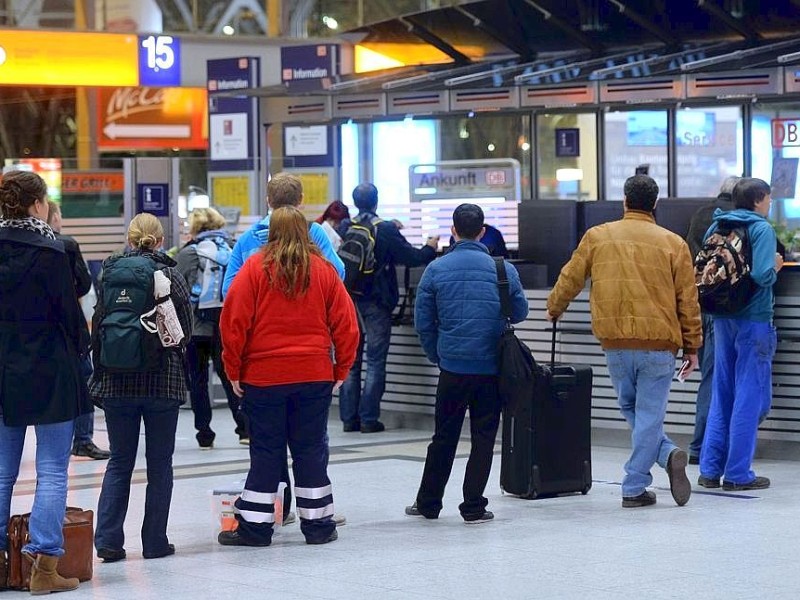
[{"x": 40, "y": 383}]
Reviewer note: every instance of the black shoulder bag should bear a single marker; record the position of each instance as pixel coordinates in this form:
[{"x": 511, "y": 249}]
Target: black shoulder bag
[{"x": 516, "y": 365}]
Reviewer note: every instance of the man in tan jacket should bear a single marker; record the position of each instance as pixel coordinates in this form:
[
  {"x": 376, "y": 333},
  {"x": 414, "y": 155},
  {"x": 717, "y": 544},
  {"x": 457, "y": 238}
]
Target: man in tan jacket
[{"x": 644, "y": 308}]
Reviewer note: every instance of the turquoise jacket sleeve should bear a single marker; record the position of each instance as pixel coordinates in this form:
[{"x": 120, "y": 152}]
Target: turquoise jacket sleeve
[
  {"x": 234, "y": 264},
  {"x": 320, "y": 238},
  {"x": 764, "y": 245}
]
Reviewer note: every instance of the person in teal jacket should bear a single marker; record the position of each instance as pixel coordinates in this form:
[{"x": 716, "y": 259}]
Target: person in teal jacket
[
  {"x": 459, "y": 321},
  {"x": 284, "y": 189},
  {"x": 744, "y": 344}
]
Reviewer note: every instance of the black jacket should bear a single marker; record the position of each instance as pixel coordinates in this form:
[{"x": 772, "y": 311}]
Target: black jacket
[
  {"x": 391, "y": 249},
  {"x": 40, "y": 332},
  {"x": 78, "y": 267},
  {"x": 701, "y": 221}
]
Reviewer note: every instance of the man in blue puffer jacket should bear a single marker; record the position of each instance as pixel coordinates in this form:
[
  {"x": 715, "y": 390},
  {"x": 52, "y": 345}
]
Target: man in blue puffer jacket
[
  {"x": 284, "y": 189},
  {"x": 459, "y": 321}
]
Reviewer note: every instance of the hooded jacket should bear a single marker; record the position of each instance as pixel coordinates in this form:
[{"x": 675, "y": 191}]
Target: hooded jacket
[
  {"x": 643, "y": 295},
  {"x": 41, "y": 339},
  {"x": 255, "y": 237},
  {"x": 188, "y": 265},
  {"x": 763, "y": 244}
]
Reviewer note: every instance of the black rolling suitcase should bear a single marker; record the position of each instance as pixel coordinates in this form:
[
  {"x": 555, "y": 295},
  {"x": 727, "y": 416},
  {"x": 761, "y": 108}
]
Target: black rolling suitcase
[{"x": 547, "y": 447}]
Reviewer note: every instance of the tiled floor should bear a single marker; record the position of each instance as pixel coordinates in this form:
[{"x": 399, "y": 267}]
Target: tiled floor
[{"x": 720, "y": 545}]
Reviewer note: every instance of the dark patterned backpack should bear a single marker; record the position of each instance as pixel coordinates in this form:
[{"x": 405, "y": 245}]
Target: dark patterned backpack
[{"x": 722, "y": 270}]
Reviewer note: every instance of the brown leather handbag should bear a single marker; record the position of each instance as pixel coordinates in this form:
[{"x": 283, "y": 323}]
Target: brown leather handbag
[{"x": 77, "y": 560}]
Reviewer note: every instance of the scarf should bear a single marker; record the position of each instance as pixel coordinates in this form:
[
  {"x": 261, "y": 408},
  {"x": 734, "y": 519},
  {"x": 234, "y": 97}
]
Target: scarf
[{"x": 30, "y": 224}]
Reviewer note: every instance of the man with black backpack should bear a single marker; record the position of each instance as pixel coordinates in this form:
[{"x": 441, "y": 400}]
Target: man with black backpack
[
  {"x": 371, "y": 247},
  {"x": 746, "y": 265}
]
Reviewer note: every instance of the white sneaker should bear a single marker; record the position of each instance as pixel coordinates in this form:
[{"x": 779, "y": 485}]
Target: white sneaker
[{"x": 340, "y": 520}]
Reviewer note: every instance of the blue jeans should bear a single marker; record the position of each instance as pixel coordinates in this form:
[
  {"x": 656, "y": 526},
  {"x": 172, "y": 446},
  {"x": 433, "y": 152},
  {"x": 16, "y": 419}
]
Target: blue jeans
[
  {"x": 296, "y": 414},
  {"x": 84, "y": 429},
  {"x": 53, "y": 445},
  {"x": 364, "y": 406},
  {"x": 123, "y": 418},
  {"x": 706, "y": 359},
  {"x": 641, "y": 379},
  {"x": 741, "y": 399}
]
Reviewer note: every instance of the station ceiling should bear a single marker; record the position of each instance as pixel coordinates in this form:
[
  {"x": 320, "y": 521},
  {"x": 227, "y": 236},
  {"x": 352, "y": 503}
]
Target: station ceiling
[{"x": 497, "y": 43}]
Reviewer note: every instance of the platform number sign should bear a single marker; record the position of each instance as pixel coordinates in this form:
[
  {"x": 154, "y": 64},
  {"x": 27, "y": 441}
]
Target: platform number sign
[{"x": 159, "y": 60}]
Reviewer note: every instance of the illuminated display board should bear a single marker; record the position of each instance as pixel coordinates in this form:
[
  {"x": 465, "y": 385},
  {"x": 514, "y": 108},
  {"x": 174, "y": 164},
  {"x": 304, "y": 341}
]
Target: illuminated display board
[{"x": 88, "y": 59}]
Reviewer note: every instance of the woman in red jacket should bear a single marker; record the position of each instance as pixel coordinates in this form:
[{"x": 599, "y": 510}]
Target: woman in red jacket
[{"x": 284, "y": 313}]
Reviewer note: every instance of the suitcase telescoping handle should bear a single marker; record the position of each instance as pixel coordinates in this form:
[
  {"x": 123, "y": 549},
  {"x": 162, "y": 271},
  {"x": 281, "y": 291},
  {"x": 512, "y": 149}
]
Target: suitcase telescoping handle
[{"x": 553, "y": 348}]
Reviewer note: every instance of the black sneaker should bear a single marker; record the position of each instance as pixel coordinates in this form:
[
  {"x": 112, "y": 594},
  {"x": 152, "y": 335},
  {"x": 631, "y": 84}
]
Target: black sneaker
[
  {"x": 232, "y": 538},
  {"x": 413, "y": 511},
  {"x": 350, "y": 426},
  {"x": 708, "y": 482},
  {"x": 694, "y": 460},
  {"x": 90, "y": 450},
  {"x": 375, "y": 427},
  {"x": 205, "y": 439},
  {"x": 107, "y": 555},
  {"x": 679, "y": 484},
  {"x": 646, "y": 498},
  {"x": 168, "y": 551},
  {"x": 759, "y": 483},
  {"x": 331, "y": 538},
  {"x": 484, "y": 517}
]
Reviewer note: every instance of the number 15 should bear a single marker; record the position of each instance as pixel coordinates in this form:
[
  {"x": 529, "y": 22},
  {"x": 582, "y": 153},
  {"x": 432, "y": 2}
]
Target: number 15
[{"x": 159, "y": 52}]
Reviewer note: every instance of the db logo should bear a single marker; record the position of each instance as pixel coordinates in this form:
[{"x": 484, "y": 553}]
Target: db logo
[
  {"x": 286, "y": 74},
  {"x": 785, "y": 133}
]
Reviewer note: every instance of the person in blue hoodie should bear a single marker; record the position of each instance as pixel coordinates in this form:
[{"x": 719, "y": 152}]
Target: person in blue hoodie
[
  {"x": 459, "y": 321},
  {"x": 283, "y": 189},
  {"x": 744, "y": 344}
]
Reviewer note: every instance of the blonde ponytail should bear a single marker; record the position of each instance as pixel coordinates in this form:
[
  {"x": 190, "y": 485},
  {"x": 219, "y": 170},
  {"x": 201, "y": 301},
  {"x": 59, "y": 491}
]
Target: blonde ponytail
[{"x": 145, "y": 232}]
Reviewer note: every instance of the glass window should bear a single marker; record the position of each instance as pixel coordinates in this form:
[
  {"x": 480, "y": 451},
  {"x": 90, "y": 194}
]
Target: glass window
[
  {"x": 396, "y": 146},
  {"x": 776, "y": 153},
  {"x": 709, "y": 149},
  {"x": 567, "y": 155},
  {"x": 483, "y": 136},
  {"x": 350, "y": 162},
  {"x": 633, "y": 139}
]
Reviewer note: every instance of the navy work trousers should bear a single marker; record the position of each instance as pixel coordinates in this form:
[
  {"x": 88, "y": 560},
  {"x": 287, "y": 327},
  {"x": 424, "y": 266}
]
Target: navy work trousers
[{"x": 296, "y": 414}]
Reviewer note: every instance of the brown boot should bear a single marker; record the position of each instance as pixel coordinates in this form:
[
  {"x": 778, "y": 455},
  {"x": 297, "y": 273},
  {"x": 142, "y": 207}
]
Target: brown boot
[{"x": 45, "y": 579}]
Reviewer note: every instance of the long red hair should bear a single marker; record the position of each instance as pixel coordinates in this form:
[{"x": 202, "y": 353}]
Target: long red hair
[{"x": 287, "y": 255}]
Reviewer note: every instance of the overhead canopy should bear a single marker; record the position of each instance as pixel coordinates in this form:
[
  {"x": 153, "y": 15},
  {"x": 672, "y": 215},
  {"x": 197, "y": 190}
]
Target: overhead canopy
[{"x": 505, "y": 43}]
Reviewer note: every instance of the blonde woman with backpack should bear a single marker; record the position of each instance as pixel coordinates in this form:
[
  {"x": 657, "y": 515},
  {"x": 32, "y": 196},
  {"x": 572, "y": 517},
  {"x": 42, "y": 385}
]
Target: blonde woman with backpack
[
  {"x": 202, "y": 262},
  {"x": 137, "y": 380}
]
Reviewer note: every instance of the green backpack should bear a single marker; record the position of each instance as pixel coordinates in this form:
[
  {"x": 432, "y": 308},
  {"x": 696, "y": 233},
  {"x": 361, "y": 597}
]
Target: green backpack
[{"x": 122, "y": 344}]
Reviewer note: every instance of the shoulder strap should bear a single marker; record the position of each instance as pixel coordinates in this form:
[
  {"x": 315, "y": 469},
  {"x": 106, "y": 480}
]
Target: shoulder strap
[{"x": 502, "y": 284}]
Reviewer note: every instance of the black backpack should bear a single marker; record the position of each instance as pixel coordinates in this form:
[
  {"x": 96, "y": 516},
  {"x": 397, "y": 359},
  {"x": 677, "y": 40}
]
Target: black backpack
[
  {"x": 121, "y": 343},
  {"x": 357, "y": 252},
  {"x": 722, "y": 270}
]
